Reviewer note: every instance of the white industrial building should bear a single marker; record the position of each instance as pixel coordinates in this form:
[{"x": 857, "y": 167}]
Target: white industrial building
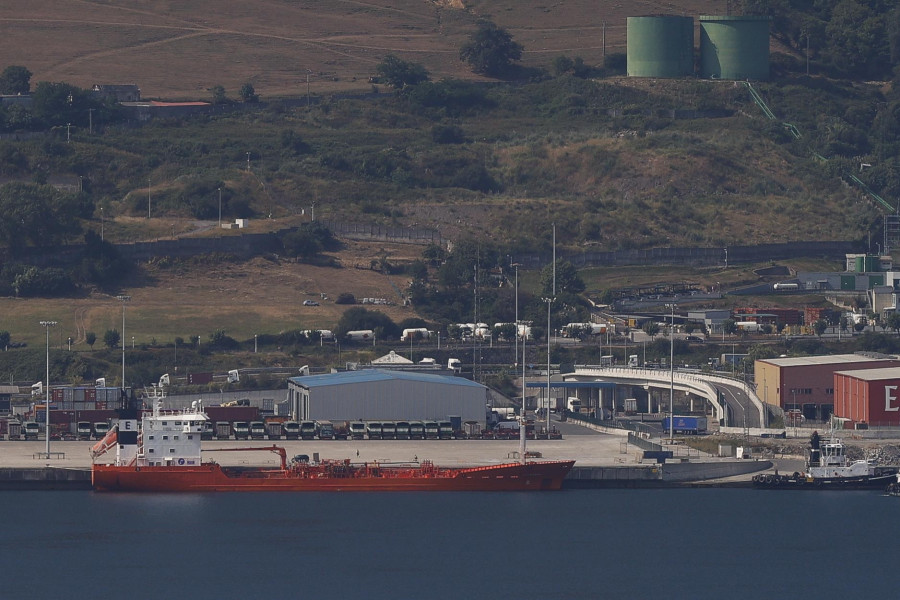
[{"x": 381, "y": 394}]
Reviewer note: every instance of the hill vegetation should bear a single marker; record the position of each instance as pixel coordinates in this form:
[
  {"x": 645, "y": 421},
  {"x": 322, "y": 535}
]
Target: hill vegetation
[{"x": 559, "y": 136}]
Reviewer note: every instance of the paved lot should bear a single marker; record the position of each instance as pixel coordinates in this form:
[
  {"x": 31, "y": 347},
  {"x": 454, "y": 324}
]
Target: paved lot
[{"x": 589, "y": 449}]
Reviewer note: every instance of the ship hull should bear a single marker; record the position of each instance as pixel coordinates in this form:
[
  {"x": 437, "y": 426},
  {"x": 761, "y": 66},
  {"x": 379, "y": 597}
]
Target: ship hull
[
  {"x": 536, "y": 476},
  {"x": 792, "y": 482}
]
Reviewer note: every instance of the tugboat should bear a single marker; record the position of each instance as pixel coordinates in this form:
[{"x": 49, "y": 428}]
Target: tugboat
[
  {"x": 829, "y": 468},
  {"x": 164, "y": 456}
]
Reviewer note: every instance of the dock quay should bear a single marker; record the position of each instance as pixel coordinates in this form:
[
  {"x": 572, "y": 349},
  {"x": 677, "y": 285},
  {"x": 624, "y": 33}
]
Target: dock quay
[{"x": 602, "y": 460}]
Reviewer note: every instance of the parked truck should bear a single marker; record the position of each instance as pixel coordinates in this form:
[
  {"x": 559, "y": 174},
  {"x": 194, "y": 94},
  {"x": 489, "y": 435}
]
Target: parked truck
[
  {"x": 432, "y": 430},
  {"x": 274, "y": 429},
  {"x": 83, "y": 430},
  {"x": 209, "y": 430},
  {"x": 357, "y": 430},
  {"x": 31, "y": 430},
  {"x": 326, "y": 430},
  {"x": 307, "y": 430},
  {"x": 342, "y": 430},
  {"x": 402, "y": 430},
  {"x": 291, "y": 430},
  {"x": 685, "y": 425},
  {"x": 373, "y": 430},
  {"x": 388, "y": 430},
  {"x": 445, "y": 430},
  {"x": 257, "y": 430},
  {"x": 240, "y": 430},
  {"x": 416, "y": 430},
  {"x": 223, "y": 430}
]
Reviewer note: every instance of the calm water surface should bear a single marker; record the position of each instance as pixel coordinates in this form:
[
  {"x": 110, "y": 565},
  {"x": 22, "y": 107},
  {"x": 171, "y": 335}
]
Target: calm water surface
[{"x": 715, "y": 543}]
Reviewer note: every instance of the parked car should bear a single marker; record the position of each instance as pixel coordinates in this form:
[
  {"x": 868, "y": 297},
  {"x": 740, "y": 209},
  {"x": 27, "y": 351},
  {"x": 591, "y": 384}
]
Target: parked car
[
  {"x": 310, "y": 303},
  {"x": 693, "y": 338}
]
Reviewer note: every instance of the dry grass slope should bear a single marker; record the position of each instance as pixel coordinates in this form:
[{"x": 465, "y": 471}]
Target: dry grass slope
[{"x": 176, "y": 49}]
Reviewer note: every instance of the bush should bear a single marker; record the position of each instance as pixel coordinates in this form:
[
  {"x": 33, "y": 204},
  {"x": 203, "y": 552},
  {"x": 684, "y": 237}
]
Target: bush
[{"x": 345, "y": 298}]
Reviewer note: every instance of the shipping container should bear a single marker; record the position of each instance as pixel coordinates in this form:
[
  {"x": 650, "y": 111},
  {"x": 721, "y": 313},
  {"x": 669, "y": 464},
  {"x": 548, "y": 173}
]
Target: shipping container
[
  {"x": 13, "y": 430},
  {"x": 232, "y": 413}
]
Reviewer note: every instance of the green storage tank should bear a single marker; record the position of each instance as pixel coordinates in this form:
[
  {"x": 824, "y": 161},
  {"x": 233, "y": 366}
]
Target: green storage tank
[
  {"x": 660, "y": 46},
  {"x": 734, "y": 47}
]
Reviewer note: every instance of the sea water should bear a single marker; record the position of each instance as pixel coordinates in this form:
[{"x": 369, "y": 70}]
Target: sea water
[{"x": 673, "y": 543}]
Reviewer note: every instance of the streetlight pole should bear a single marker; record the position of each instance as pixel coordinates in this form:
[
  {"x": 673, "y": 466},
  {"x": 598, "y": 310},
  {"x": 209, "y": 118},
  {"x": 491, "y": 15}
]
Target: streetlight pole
[
  {"x": 47, "y": 325},
  {"x": 549, "y": 302},
  {"x": 124, "y": 300},
  {"x": 220, "y": 210},
  {"x": 308, "y": 72},
  {"x": 672, "y": 377}
]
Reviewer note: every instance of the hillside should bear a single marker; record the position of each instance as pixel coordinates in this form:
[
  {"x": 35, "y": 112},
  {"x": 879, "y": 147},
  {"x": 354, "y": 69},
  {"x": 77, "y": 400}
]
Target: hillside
[
  {"x": 614, "y": 162},
  {"x": 175, "y": 49}
]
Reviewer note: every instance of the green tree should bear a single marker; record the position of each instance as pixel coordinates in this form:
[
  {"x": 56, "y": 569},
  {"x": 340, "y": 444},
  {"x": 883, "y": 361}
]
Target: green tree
[
  {"x": 15, "y": 80},
  {"x": 248, "y": 94},
  {"x": 729, "y": 326},
  {"x": 4, "y": 340},
  {"x": 56, "y": 104},
  {"x": 820, "y": 326},
  {"x": 218, "y": 94},
  {"x": 360, "y": 318},
  {"x": 90, "y": 338},
  {"x": 111, "y": 338},
  {"x": 490, "y": 50},
  {"x": 893, "y": 322},
  {"x": 38, "y": 214},
  {"x": 562, "y": 65},
  {"x": 399, "y": 73},
  {"x": 651, "y": 328},
  {"x": 567, "y": 278}
]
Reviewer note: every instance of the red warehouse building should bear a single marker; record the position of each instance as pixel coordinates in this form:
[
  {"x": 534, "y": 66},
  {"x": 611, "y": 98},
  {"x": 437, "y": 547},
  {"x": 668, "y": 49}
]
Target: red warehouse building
[{"x": 870, "y": 397}]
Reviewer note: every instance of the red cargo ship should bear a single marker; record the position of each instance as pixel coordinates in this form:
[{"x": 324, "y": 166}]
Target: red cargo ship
[{"x": 165, "y": 457}]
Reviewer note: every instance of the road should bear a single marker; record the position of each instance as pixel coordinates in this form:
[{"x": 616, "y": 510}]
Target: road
[{"x": 740, "y": 412}]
